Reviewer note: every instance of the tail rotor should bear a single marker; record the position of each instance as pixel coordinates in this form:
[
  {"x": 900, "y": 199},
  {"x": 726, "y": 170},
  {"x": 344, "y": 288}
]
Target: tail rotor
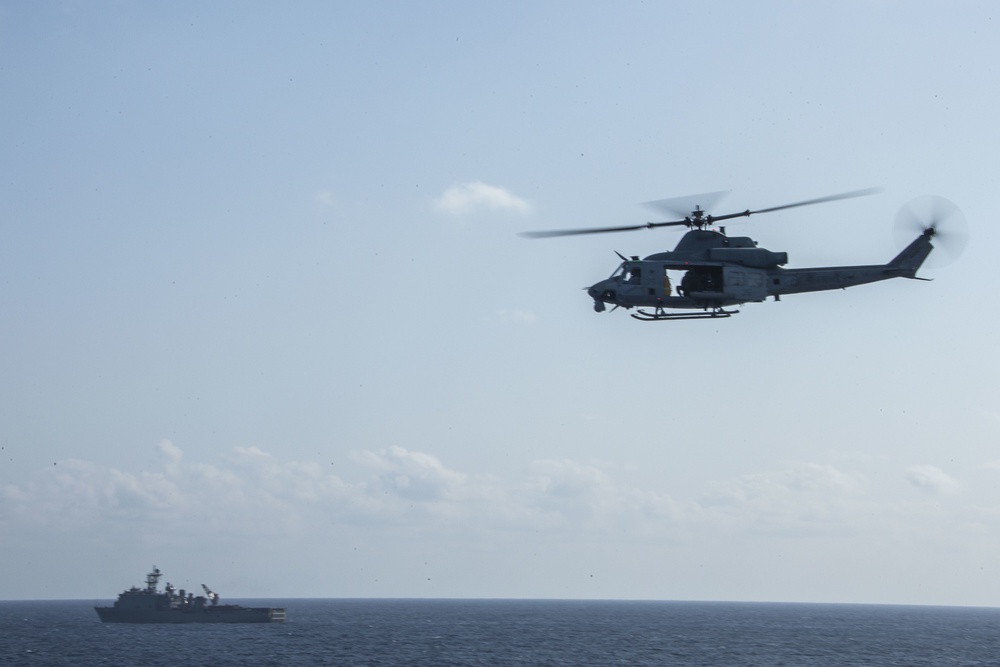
[{"x": 937, "y": 218}]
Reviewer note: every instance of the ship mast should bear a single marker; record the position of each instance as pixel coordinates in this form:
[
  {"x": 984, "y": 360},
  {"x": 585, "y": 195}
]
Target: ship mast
[{"x": 152, "y": 579}]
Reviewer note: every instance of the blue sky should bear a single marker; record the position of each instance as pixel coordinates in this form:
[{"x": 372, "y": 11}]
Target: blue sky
[{"x": 268, "y": 322}]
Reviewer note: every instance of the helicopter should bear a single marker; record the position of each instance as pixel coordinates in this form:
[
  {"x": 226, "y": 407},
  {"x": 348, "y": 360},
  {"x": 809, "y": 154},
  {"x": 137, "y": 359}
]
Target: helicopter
[{"x": 718, "y": 272}]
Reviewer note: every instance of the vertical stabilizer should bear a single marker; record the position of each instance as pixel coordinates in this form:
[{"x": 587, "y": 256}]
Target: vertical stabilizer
[{"x": 906, "y": 263}]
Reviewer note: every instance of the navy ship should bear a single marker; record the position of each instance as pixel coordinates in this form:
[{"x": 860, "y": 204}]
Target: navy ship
[{"x": 150, "y": 605}]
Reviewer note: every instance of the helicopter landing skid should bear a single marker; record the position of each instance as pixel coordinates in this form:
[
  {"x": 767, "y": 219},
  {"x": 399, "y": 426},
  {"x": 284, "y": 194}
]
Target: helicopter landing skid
[{"x": 660, "y": 314}]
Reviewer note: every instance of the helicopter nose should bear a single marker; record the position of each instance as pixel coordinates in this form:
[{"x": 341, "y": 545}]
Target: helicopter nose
[{"x": 601, "y": 292}]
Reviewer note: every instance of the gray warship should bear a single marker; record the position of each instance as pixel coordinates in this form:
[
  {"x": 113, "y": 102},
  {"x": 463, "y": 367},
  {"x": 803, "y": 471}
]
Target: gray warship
[{"x": 150, "y": 605}]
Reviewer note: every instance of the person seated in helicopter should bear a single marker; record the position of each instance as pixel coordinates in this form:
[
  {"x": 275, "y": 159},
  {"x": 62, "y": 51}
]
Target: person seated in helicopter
[
  {"x": 700, "y": 280},
  {"x": 691, "y": 282}
]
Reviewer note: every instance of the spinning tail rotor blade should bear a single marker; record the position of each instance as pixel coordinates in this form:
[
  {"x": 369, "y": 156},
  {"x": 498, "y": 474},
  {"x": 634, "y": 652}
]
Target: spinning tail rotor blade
[{"x": 938, "y": 218}]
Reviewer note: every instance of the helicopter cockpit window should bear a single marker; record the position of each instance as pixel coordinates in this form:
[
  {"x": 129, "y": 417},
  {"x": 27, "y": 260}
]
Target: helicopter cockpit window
[{"x": 628, "y": 274}]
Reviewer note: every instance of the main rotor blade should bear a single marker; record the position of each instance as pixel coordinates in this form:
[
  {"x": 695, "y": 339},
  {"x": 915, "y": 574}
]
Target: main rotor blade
[
  {"x": 682, "y": 206},
  {"x": 598, "y": 230},
  {"x": 707, "y": 220},
  {"x": 808, "y": 202}
]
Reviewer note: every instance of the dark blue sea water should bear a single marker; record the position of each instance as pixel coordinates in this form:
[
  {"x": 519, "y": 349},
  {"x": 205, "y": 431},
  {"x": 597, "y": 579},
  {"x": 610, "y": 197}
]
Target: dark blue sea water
[{"x": 513, "y": 632}]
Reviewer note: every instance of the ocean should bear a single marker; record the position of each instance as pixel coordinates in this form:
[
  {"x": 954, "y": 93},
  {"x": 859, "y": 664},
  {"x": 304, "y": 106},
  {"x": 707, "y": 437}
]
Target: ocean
[{"x": 443, "y": 633}]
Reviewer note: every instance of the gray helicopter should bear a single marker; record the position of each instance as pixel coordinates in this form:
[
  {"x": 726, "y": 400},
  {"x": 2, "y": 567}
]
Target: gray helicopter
[{"x": 711, "y": 272}]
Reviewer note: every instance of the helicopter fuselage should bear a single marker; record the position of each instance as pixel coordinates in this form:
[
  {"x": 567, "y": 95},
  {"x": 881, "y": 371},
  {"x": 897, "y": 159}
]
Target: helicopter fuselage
[{"x": 710, "y": 271}]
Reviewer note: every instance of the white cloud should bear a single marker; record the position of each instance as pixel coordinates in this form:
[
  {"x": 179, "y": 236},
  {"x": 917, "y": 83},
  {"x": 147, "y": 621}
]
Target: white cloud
[
  {"x": 250, "y": 491},
  {"x": 931, "y": 479},
  {"x": 414, "y": 475},
  {"x": 568, "y": 485},
  {"x": 800, "y": 498},
  {"x": 464, "y": 198},
  {"x": 75, "y": 495},
  {"x": 326, "y": 198},
  {"x": 399, "y": 496},
  {"x": 397, "y": 502},
  {"x": 171, "y": 455},
  {"x": 575, "y": 496}
]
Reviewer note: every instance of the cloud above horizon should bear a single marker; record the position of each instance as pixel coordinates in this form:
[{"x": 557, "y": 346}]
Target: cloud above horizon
[
  {"x": 932, "y": 480},
  {"x": 326, "y": 198},
  {"x": 464, "y": 198},
  {"x": 248, "y": 488},
  {"x": 380, "y": 508}
]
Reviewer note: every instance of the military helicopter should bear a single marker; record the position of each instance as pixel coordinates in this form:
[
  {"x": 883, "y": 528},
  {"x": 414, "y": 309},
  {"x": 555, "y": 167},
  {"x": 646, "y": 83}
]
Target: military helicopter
[{"x": 718, "y": 271}]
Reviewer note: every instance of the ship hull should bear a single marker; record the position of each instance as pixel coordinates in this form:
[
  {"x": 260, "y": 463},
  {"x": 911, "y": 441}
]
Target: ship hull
[{"x": 219, "y": 614}]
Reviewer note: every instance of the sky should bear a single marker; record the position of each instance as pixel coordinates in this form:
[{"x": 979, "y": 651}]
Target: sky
[{"x": 267, "y": 322}]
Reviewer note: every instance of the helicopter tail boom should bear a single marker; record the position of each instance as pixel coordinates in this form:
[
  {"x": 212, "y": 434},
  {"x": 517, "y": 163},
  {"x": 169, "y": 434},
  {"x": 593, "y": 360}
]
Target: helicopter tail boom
[{"x": 904, "y": 265}]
